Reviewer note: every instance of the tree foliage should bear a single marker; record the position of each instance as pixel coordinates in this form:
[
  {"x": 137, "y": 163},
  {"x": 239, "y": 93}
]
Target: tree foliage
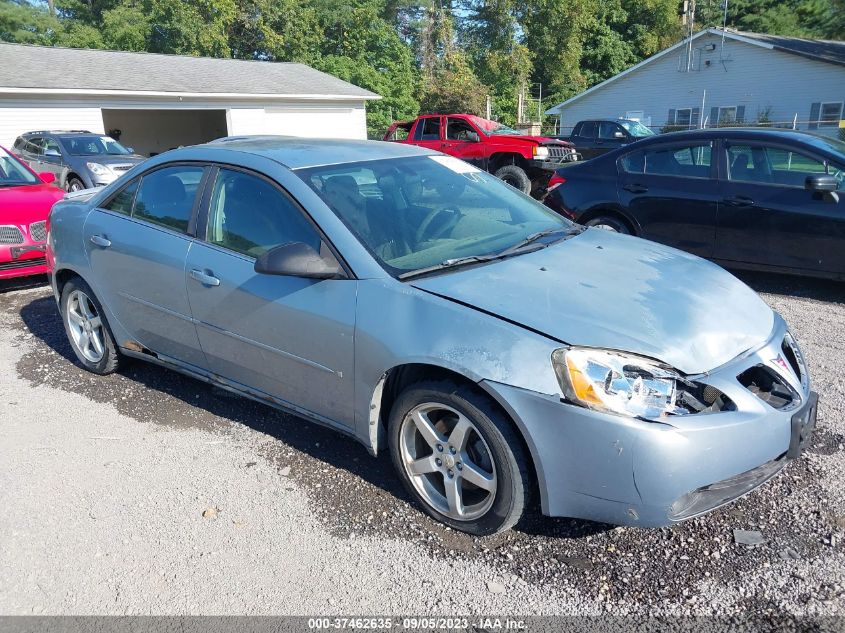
[{"x": 434, "y": 55}]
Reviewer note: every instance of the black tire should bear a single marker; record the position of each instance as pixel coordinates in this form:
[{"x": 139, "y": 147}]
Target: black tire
[
  {"x": 74, "y": 184},
  {"x": 610, "y": 223},
  {"x": 516, "y": 177},
  {"x": 111, "y": 359},
  {"x": 504, "y": 447}
]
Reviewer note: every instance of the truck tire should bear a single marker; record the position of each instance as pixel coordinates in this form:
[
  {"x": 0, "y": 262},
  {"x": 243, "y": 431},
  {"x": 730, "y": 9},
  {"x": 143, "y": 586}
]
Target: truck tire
[{"x": 516, "y": 177}]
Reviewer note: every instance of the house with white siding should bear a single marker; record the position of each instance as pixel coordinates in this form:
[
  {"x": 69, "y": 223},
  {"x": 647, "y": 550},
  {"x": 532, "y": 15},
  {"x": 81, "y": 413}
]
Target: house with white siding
[
  {"x": 156, "y": 102},
  {"x": 723, "y": 77}
]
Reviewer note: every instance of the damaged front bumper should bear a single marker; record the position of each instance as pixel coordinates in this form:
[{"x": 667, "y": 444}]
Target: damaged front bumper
[{"x": 629, "y": 471}]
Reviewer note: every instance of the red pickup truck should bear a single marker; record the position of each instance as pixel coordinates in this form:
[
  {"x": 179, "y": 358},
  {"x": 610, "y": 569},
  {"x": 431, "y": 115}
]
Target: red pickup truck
[{"x": 523, "y": 161}]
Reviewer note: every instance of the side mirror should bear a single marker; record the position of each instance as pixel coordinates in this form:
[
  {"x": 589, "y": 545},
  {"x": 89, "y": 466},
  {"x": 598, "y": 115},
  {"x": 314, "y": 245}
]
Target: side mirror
[
  {"x": 472, "y": 137},
  {"x": 820, "y": 182},
  {"x": 47, "y": 177},
  {"x": 296, "y": 259},
  {"x": 618, "y": 134}
]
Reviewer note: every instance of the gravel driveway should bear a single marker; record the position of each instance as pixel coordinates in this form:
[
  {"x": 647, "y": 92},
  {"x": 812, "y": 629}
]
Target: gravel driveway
[{"x": 146, "y": 492}]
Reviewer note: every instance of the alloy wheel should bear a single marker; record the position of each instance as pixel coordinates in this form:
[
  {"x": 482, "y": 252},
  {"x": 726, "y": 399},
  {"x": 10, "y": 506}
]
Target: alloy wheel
[
  {"x": 86, "y": 327},
  {"x": 448, "y": 461}
]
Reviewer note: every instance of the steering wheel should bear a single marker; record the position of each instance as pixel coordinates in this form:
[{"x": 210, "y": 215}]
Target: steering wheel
[{"x": 425, "y": 231}]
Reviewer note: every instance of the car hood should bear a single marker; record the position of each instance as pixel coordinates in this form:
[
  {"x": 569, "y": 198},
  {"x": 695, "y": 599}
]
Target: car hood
[
  {"x": 123, "y": 159},
  {"x": 600, "y": 289},
  {"x": 525, "y": 138},
  {"x": 27, "y": 203}
]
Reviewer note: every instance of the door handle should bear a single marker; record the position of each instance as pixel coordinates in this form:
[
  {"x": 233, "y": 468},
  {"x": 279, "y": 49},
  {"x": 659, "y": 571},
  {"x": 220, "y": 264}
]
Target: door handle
[
  {"x": 635, "y": 188},
  {"x": 205, "y": 280},
  {"x": 739, "y": 201},
  {"x": 99, "y": 240}
]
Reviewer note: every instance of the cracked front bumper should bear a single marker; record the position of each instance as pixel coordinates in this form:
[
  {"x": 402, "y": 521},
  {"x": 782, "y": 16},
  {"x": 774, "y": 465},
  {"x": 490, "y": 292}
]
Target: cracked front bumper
[{"x": 628, "y": 471}]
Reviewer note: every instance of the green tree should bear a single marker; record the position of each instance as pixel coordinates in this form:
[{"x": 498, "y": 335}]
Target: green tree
[{"x": 23, "y": 22}]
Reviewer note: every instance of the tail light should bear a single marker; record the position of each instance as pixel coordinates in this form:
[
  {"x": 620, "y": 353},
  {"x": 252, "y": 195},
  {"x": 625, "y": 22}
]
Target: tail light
[{"x": 555, "y": 181}]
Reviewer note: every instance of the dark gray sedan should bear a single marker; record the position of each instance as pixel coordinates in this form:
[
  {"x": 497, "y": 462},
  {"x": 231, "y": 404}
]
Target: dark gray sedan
[{"x": 426, "y": 308}]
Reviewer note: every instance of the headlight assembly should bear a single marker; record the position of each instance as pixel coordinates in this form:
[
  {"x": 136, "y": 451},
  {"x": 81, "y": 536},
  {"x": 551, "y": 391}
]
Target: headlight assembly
[
  {"x": 541, "y": 152},
  {"x": 627, "y": 384},
  {"x": 98, "y": 170}
]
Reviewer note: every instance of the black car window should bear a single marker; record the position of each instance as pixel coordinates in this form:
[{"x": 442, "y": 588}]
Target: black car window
[
  {"x": 607, "y": 129},
  {"x": 34, "y": 145},
  {"x": 249, "y": 215},
  {"x": 688, "y": 161},
  {"x": 19, "y": 144},
  {"x": 589, "y": 129},
  {"x": 428, "y": 129},
  {"x": 771, "y": 165},
  {"x": 166, "y": 196},
  {"x": 122, "y": 202}
]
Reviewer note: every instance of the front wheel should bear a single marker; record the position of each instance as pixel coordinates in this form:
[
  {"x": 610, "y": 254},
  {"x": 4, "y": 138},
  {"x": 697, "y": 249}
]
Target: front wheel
[
  {"x": 610, "y": 223},
  {"x": 515, "y": 176},
  {"x": 87, "y": 329},
  {"x": 74, "y": 184},
  {"x": 459, "y": 457}
]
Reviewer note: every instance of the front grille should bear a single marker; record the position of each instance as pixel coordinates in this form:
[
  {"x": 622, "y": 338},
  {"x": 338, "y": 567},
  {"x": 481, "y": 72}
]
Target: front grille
[
  {"x": 121, "y": 167},
  {"x": 10, "y": 235},
  {"x": 764, "y": 383},
  {"x": 556, "y": 151},
  {"x": 792, "y": 354},
  {"x": 23, "y": 263},
  {"x": 38, "y": 231}
]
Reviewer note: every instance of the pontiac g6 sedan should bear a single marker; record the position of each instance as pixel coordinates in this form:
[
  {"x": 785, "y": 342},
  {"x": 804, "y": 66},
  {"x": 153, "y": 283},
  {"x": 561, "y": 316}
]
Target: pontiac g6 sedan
[{"x": 427, "y": 309}]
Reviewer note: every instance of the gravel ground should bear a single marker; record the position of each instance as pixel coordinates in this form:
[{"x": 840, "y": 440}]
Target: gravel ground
[{"x": 146, "y": 492}]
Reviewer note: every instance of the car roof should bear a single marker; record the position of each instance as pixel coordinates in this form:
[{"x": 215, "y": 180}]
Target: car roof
[
  {"x": 817, "y": 142},
  {"x": 62, "y": 132},
  {"x": 297, "y": 153}
]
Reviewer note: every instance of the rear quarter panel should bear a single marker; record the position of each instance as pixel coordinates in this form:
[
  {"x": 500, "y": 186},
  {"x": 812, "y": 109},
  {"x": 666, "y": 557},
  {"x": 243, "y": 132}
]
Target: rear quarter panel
[{"x": 590, "y": 186}]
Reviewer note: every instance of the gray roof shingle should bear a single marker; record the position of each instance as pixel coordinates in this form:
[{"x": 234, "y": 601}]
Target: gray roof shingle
[
  {"x": 26, "y": 66},
  {"x": 823, "y": 50}
]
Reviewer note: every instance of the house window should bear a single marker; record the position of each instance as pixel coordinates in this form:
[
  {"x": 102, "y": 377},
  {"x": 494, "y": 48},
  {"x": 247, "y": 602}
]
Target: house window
[
  {"x": 727, "y": 115},
  {"x": 830, "y": 114},
  {"x": 683, "y": 116}
]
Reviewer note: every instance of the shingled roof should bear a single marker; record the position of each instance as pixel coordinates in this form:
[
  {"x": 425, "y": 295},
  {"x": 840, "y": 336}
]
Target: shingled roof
[
  {"x": 822, "y": 50},
  {"x": 86, "y": 70}
]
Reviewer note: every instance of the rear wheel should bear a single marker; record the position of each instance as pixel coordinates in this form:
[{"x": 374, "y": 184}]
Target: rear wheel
[
  {"x": 515, "y": 176},
  {"x": 459, "y": 457},
  {"x": 610, "y": 223},
  {"x": 87, "y": 330}
]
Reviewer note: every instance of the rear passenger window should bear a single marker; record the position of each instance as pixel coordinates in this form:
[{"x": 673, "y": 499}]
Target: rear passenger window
[
  {"x": 166, "y": 196},
  {"x": 122, "y": 202},
  {"x": 589, "y": 129},
  {"x": 428, "y": 129},
  {"x": 692, "y": 161}
]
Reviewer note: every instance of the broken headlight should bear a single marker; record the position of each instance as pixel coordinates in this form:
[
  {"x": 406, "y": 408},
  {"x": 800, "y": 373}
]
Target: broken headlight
[
  {"x": 616, "y": 382},
  {"x": 626, "y": 384}
]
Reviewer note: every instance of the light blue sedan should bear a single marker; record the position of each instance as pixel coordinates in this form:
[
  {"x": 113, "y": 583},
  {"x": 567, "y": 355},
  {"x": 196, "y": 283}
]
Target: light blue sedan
[{"x": 427, "y": 309}]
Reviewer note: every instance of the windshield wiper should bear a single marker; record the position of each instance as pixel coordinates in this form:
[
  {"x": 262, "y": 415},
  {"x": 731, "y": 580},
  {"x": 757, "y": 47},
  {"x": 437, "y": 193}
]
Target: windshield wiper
[
  {"x": 516, "y": 248},
  {"x": 449, "y": 263}
]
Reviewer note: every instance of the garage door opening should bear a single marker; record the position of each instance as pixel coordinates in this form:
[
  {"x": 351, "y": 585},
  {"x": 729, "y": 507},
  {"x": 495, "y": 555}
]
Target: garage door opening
[{"x": 151, "y": 132}]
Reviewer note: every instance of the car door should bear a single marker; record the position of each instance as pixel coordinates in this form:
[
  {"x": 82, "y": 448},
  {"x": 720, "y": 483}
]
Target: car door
[
  {"x": 767, "y": 217},
  {"x": 464, "y": 142},
  {"x": 289, "y": 338},
  {"x": 51, "y": 159},
  {"x": 428, "y": 132},
  {"x": 670, "y": 190},
  {"x": 585, "y": 141},
  {"x": 137, "y": 244}
]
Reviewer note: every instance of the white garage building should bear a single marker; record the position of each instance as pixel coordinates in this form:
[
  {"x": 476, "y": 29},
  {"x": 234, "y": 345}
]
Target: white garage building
[{"x": 159, "y": 102}]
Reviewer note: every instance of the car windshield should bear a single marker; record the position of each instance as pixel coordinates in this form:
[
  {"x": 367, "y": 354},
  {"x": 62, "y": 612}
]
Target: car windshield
[
  {"x": 13, "y": 172},
  {"x": 93, "y": 145},
  {"x": 493, "y": 128},
  {"x": 421, "y": 212},
  {"x": 635, "y": 128}
]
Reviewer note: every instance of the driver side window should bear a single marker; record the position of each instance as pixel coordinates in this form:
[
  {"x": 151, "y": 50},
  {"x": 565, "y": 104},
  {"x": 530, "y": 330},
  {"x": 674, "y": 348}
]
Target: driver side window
[{"x": 250, "y": 216}]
